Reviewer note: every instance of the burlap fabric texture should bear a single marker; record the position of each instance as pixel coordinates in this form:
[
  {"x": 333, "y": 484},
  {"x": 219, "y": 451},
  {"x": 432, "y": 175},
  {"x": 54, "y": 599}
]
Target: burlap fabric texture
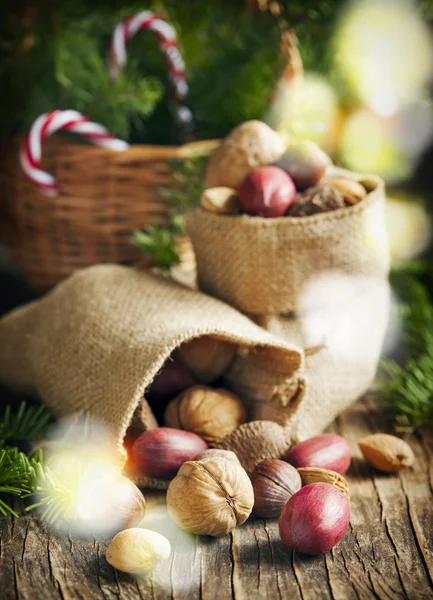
[
  {"x": 342, "y": 331},
  {"x": 94, "y": 344},
  {"x": 319, "y": 282},
  {"x": 261, "y": 266}
]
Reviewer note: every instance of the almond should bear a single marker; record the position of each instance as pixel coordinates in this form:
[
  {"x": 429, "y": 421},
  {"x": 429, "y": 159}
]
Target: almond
[
  {"x": 386, "y": 453},
  {"x": 317, "y": 475},
  {"x": 351, "y": 190},
  {"x": 221, "y": 200}
]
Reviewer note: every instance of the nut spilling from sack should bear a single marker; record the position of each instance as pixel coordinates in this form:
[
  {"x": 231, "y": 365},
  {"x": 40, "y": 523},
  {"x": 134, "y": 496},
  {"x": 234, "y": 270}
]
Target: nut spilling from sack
[{"x": 211, "y": 494}]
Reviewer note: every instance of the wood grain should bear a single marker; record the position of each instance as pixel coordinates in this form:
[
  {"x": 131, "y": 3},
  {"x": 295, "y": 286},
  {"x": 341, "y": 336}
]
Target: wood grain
[{"x": 386, "y": 554}]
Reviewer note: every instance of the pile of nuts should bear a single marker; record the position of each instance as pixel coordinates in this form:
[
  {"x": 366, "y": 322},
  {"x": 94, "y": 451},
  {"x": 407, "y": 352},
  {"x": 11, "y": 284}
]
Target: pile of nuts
[
  {"x": 210, "y": 493},
  {"x": 254, "y": 172}
]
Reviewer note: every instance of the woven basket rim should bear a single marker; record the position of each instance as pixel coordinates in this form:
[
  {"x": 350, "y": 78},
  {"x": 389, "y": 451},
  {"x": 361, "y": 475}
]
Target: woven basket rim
[{"x": 81, "y": 152}]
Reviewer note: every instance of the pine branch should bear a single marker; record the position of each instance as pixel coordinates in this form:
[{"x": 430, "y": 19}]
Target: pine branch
[
  {"x": 189, "y": 183},
  {"x": 17, "y": 476},
  {"x": 53, "y": 498},
  {"x": 407, "y": 391},
  {"x": 22, "y": 476},
  {"x": 29, "y": 423},
  {"x": 232, "y": 55},
  {"x": 82, "y": 71},
  {"x": 160, "y": 243}
]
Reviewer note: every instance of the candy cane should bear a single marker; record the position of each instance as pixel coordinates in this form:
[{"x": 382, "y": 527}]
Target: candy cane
[
  {"x": 60, "y": 120},
  {"x": 168, "y": 44}
]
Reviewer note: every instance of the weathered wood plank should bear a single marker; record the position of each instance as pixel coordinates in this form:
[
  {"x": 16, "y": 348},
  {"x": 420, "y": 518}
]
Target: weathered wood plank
[{"x": 386, "y": 554}]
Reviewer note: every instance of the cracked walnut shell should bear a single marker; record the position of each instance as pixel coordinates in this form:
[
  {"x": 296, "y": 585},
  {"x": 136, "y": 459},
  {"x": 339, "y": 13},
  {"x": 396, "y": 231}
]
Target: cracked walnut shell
[{"x": 210, "y": 497}]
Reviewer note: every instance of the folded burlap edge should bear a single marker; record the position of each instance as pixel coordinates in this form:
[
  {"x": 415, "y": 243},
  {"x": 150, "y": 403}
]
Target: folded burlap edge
[
  {"x": 258, "y": 265},
  {"x": 304, "y": 223},
  {"x": 48, "y": 330}
]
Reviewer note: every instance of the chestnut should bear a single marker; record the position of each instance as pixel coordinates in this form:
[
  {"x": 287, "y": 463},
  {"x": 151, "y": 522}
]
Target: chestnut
[
  {"x": 160, "y": 452},
  {"x": 171, "y": 380},
  {"x": 305, "y": 162},
  {"x": 314, "y": 519},
  {"x": 107, "y": 502},
  {"x": 274, "y": 482},
  {"x": 327, "y": 451},
  {"x": 267, "y": 192}
]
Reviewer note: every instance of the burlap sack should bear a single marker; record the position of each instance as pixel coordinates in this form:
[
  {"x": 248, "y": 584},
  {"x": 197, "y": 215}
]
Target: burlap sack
[
  {"x": 94, "y": 344},
  {"x": 261, "y": 266},
  {"x": 342, "y": 331}
]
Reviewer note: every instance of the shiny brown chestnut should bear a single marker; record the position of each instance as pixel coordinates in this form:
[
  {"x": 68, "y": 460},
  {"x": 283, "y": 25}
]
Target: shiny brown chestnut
[
  {"x": 274, "y": 482},
  {"x": 160, "y": 452},
  {"x": 327, "y": 451}
]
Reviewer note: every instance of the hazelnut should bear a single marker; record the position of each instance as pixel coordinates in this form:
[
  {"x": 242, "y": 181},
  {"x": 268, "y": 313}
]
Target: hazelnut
[
  {"x": 137, "y": 550},
  {"x": 212, "y": 414},
  {"x": 206, "y": 357},
  {"x": 160, "y": 452},
  {"x": 274, "y": 482},
  {"x": 216, "y": 452},
  {"x": 210, "y": 497},
  {"x": 108, "y": 503}
]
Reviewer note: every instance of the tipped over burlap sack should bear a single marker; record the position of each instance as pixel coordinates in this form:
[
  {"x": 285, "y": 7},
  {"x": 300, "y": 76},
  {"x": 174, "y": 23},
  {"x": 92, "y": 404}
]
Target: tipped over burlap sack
[
  {"x": 93, "y": 345},
  {"x": 261, "y": 266}
]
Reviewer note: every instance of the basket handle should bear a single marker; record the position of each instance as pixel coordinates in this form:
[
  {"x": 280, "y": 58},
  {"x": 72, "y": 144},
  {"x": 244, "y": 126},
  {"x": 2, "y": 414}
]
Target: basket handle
[
  {"x": 292, "y": 68},
  {"x": 49, "y": 123},
  {"x": 166, "y": 36}
]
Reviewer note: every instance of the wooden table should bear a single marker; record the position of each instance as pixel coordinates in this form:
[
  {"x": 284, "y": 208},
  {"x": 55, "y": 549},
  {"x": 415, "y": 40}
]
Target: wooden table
[{"x": 387, "y": 552}]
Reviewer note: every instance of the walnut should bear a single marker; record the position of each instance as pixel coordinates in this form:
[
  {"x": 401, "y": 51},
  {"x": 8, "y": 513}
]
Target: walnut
[
  {"x": 210, "y": 497},
  {"x": 249, "y": 146},
  {"x": 212, "y": 414},
  {"x": 317, "y": 199}
]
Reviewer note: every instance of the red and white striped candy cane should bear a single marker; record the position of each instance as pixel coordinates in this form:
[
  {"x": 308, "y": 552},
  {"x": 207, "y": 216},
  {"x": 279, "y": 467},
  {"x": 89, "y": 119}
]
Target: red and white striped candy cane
[
  {"x": 60, "y": 120},
  {"x": 168, "y": 44}
]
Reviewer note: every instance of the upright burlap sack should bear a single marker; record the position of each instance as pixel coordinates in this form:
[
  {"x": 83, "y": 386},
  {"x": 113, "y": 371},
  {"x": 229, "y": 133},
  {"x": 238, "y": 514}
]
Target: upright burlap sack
[
  {"x": 93, "y": 345},
  {"x": 342, "y": 330},
  {"x": 261, "y": 266}
]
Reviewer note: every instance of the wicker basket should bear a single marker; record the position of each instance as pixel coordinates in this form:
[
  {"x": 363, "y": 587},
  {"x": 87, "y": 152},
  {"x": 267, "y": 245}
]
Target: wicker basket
[{"x": 104, "y": 196}]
